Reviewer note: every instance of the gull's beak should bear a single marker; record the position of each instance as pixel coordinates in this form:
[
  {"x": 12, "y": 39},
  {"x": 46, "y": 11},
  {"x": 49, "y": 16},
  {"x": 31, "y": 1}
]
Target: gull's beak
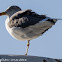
[{"x": 3, "y": 13}]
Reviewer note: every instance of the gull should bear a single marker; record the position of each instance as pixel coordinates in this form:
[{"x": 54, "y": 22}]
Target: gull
[{"x": 26, "y": 24}]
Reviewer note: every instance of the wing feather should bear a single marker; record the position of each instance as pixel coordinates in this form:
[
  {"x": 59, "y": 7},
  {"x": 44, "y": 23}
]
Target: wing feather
[
  {"x": 24, "y": 19},
  {"x": 27, "y": 18}
]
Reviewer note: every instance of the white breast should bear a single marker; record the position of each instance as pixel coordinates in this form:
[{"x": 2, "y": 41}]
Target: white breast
[{"x": 6, "y": 22}]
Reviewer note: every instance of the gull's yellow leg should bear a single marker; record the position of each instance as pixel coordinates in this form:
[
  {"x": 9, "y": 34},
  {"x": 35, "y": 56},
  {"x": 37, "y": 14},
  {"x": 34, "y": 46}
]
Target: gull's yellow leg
[{"x": 27, "y": 47}]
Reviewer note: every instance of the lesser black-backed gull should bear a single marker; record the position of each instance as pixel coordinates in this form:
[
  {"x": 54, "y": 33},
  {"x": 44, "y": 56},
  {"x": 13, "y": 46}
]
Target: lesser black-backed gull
[{"x": 26, "y": 24}]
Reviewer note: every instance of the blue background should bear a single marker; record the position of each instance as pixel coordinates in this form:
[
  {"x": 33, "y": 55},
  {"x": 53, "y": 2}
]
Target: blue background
[{"x": 47, "y": 45}]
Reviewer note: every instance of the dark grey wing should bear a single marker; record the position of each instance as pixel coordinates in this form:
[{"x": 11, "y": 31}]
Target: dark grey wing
[{"x": 26, "y": 18}]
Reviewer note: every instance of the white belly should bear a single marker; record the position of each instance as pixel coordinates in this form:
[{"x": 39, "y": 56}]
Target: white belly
[{"x": 28, "y": 33}]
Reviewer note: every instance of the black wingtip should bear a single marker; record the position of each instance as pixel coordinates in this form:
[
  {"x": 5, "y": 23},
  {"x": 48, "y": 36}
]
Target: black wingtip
[{"x": 57, "y": 18}]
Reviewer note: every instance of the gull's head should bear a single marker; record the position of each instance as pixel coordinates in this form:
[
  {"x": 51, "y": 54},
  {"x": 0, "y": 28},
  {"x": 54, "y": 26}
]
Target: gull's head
[{"x": 10, "y": 11}]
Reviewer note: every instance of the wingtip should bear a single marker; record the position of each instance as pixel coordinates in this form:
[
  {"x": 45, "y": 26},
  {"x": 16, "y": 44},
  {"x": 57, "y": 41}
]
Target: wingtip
[{"x": 57, "y": 18}]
